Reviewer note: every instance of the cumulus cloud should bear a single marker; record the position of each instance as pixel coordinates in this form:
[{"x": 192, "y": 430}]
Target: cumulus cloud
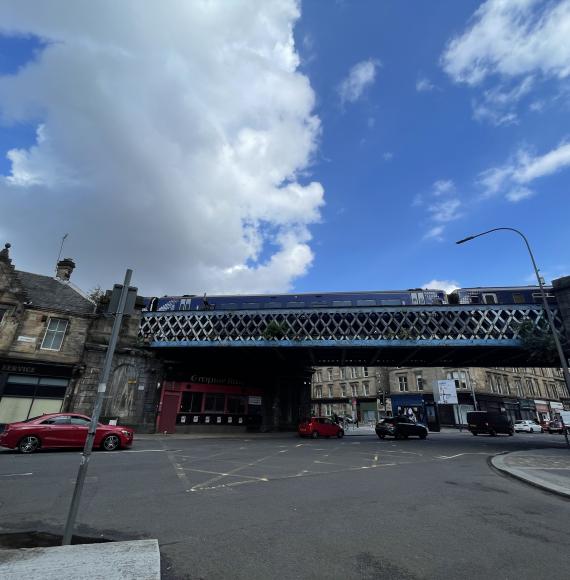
[
  {"x": 445, "y": 285},
  {"x": 512, "y": 38},
  {"x": 360, "y": 77},
  {"x": 174, "y": 139},
  {"x": 513, "y": 178}
]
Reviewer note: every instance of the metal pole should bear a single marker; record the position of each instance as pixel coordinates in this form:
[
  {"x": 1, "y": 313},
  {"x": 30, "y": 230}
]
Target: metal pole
[
  {"x": 82, "y": 473},
  {"x": 561, "y": 355},
  {"x": 60, "y": 250}
]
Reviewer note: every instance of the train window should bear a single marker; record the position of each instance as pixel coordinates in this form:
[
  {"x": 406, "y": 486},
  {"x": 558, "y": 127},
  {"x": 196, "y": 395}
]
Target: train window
[
  {"x": 366, "y": 303},
  {"x": 319, "y": 303},
  {"x": 274, "y": 305},
  {"x": 250, "y": 305},
  {"x": 518, "y": 298},
  {"x": 474, "y": 299},
  {"x": 537, "y": 296},
  {"x": 295, "y": 304},
  {"x": 490, "y": 298},
  {"x": 228, "y": 306},
  {"x": 391, "y": 302},
  {"x": 341, "y": 303}
]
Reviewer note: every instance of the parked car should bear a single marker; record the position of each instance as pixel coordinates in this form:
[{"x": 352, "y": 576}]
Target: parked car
[
  {"x": 320, "y": 427},
  {"x": 490, "y": 423},
  {"x": 62, "y": 430},
  {"x": 527, "y": 426},
  {"x": 555, "y": 427},
  {"x": 400, "y": 428}
]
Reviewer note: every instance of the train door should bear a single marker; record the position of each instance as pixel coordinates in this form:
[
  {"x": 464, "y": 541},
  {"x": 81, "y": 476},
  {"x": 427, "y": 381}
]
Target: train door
[{"x": 490, "y": 298}]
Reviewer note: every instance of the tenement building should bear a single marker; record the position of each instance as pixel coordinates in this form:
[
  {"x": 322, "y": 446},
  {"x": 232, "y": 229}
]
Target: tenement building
[
  {"x": 43, "y": 325},
  {"x": 369, "y": 393}
]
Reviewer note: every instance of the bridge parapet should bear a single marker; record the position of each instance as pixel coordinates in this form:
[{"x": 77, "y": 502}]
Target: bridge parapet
[{"x": 414, "y": 325}]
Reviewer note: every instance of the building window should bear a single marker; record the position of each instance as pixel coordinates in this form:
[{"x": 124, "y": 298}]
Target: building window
[
  {"x": 330, "y": 389},
  {"x": 529, "y": 387},
  {"x": 403, "y": 383},
  {"x": 328, "y": 410},
  {"x": 54, "y": 334},
  {"x": 365, "y": 389},
  {"x": 342, "y": 373},
  {"x": 318, "y": 377},
  {"x": 343, "y": 389},
  {"x": 318, "y": 392},
  {"x": 365, "y": 371},
  {"x": 329, "y": 374},
  {"x": 354, "y": 389},
  {"x": 499, "y": 382},
  {"x": 2, "y": 312},
  {"x": 419, "y": 382},
  {"x": 460, "y": 378},
  {"x": 214, "y": 403},
  {"x": 353, "y": 373},
  {"x": 518, "y": 388}
]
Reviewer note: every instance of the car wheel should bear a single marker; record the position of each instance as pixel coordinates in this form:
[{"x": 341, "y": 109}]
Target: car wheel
[
  {"x": 340, "y": 434},
  {"x": 423, "y": 436},
  {"x": 397, "y": 436},
  {"x": 475, "y": 433},
  {"x": 511, "y": 433},
  {"x": 381, "y": 435},
  {"x": 111, "y": 442},
  {"x": 492, "y": 433},
  {"x": 541, "y": 430},
  {"x": 315, "y": 434},
  {"x": 29, "y": 444}
]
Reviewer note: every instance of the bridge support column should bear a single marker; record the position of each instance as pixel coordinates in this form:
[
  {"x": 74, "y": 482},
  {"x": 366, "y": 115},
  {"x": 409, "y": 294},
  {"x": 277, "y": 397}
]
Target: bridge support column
[{"x": 562, "y": 293}]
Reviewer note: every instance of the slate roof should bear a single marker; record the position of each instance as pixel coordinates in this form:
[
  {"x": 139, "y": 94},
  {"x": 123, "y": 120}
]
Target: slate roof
[{"x": 46, "y": 292}]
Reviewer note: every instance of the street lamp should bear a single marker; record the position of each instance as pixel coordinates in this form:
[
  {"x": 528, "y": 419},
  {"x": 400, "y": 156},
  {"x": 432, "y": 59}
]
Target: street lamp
[{"x": 563, "y": 360}]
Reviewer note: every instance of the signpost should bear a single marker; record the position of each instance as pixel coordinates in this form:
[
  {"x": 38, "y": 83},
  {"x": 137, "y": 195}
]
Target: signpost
[
  {"x": 446, "y": 394},
  {"x": 122, "y": 292}
]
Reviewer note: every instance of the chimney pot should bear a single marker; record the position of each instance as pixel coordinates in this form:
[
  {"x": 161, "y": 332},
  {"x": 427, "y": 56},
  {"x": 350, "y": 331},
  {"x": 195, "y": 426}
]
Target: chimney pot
[{"x": 64, "y": 269}]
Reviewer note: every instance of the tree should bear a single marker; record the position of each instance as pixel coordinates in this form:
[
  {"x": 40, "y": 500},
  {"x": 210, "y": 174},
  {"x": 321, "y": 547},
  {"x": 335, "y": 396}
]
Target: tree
[
  {"x": 95, "y": 294},
  {"x": 539, "y": 342}
]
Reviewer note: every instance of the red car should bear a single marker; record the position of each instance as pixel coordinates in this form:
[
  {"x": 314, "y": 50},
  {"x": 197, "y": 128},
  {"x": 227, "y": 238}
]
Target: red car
[
  {"x": 62, "y": 430},
  {"x": 320, "y": 427}
]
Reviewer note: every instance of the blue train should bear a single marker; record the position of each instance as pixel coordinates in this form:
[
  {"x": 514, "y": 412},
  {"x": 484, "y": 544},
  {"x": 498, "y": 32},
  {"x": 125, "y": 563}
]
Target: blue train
[
  {"x": 293, "y": 301},
  {"x": 411, "y": 297},
  {"x": 501, "y": 295}
]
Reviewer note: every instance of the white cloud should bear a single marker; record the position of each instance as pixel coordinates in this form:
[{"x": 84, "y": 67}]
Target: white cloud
[
  {"x": 445, "y": 211},
  {"x": 360, "y": 77},
  {"x": 435, "y": 233},
  {"x": 498, "y": 105},
  {"x": 443, "y": 186},
  {"x": 423, "y": 84},
  {"x": 513, "y": 178},
  {"x": 174, "y": 140},
  {"x": 388, "y": 156},
  {"x": 512, "y": 38},
  {"x": 446, "y": 285}
]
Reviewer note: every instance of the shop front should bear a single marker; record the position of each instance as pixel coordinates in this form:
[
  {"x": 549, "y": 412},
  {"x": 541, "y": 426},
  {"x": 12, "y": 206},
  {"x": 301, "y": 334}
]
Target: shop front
[
  {"x": 527, "y": 409},
  {"x": 29, "y": 389},
  {"x": 420, "y": 408},
  {"x": 192, "y": 407},
  {"x": 542, "y": 411}
]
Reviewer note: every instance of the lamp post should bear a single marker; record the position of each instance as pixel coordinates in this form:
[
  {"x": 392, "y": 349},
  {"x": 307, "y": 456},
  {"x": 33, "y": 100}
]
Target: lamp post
[{"x": 561, "y": 355}]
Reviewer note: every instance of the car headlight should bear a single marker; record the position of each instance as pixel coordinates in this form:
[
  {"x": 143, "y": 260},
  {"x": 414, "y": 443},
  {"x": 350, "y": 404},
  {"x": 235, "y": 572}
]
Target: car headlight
[{"x": 127, "y": 433}]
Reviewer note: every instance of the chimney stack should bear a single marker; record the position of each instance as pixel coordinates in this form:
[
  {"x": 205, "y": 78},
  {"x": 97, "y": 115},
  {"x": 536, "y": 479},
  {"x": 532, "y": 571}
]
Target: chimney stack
[{"x": 64, "y": 269}]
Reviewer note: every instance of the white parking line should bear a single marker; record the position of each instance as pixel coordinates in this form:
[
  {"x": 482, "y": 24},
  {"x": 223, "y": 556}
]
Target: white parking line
[{"x": 15, "y": 474}]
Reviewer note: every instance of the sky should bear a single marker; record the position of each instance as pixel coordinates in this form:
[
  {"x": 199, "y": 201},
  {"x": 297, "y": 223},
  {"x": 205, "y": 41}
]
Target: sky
[{"x": 283, "y": 146}]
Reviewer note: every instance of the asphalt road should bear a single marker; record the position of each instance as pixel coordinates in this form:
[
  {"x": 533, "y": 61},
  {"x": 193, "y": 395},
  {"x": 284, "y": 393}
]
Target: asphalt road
[{"x": 289, "y": 508}]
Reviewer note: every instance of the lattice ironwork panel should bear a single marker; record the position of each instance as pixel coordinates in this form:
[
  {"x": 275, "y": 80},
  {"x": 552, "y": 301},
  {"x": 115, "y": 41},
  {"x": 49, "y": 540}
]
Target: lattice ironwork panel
[{"x": 443, "y": 323}]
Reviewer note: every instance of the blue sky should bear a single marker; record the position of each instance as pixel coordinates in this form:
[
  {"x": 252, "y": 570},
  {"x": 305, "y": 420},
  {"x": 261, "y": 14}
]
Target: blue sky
[{"x": 345, "y": 146}]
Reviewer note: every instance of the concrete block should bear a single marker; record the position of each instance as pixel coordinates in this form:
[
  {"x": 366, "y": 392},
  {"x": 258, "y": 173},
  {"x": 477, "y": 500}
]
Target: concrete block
[{"x": 136, "y": 560}]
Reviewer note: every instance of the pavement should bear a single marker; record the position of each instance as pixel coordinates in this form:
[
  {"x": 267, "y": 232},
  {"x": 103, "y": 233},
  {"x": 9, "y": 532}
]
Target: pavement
[
  {"x": 136, "y": 560},
  {"x": 252, "y": 506},
  {"x": 547, "y": 469}
]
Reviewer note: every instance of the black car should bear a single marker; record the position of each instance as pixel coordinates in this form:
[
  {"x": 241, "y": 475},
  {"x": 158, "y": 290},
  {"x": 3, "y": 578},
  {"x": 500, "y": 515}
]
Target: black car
[
  {"x": 400, "y": 428},
  {"x": 490, "y": 423}
]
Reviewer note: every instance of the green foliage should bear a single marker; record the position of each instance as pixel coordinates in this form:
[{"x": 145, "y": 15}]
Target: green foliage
[
  {"x": 274, "y": 330},
  {"x": 538, "y": 342}
]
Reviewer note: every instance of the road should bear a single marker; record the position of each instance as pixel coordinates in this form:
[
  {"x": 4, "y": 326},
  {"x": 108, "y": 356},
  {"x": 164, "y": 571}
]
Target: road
[{"x": 283, "y": 507}]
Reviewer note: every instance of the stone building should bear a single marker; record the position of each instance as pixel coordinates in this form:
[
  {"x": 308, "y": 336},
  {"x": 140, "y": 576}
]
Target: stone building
[
  {"x": 369, "y": 393},
  {"x": 44, "y": 322},
  {"x": 53, "y": 340},
  {"x": 350, "y": 391}
]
